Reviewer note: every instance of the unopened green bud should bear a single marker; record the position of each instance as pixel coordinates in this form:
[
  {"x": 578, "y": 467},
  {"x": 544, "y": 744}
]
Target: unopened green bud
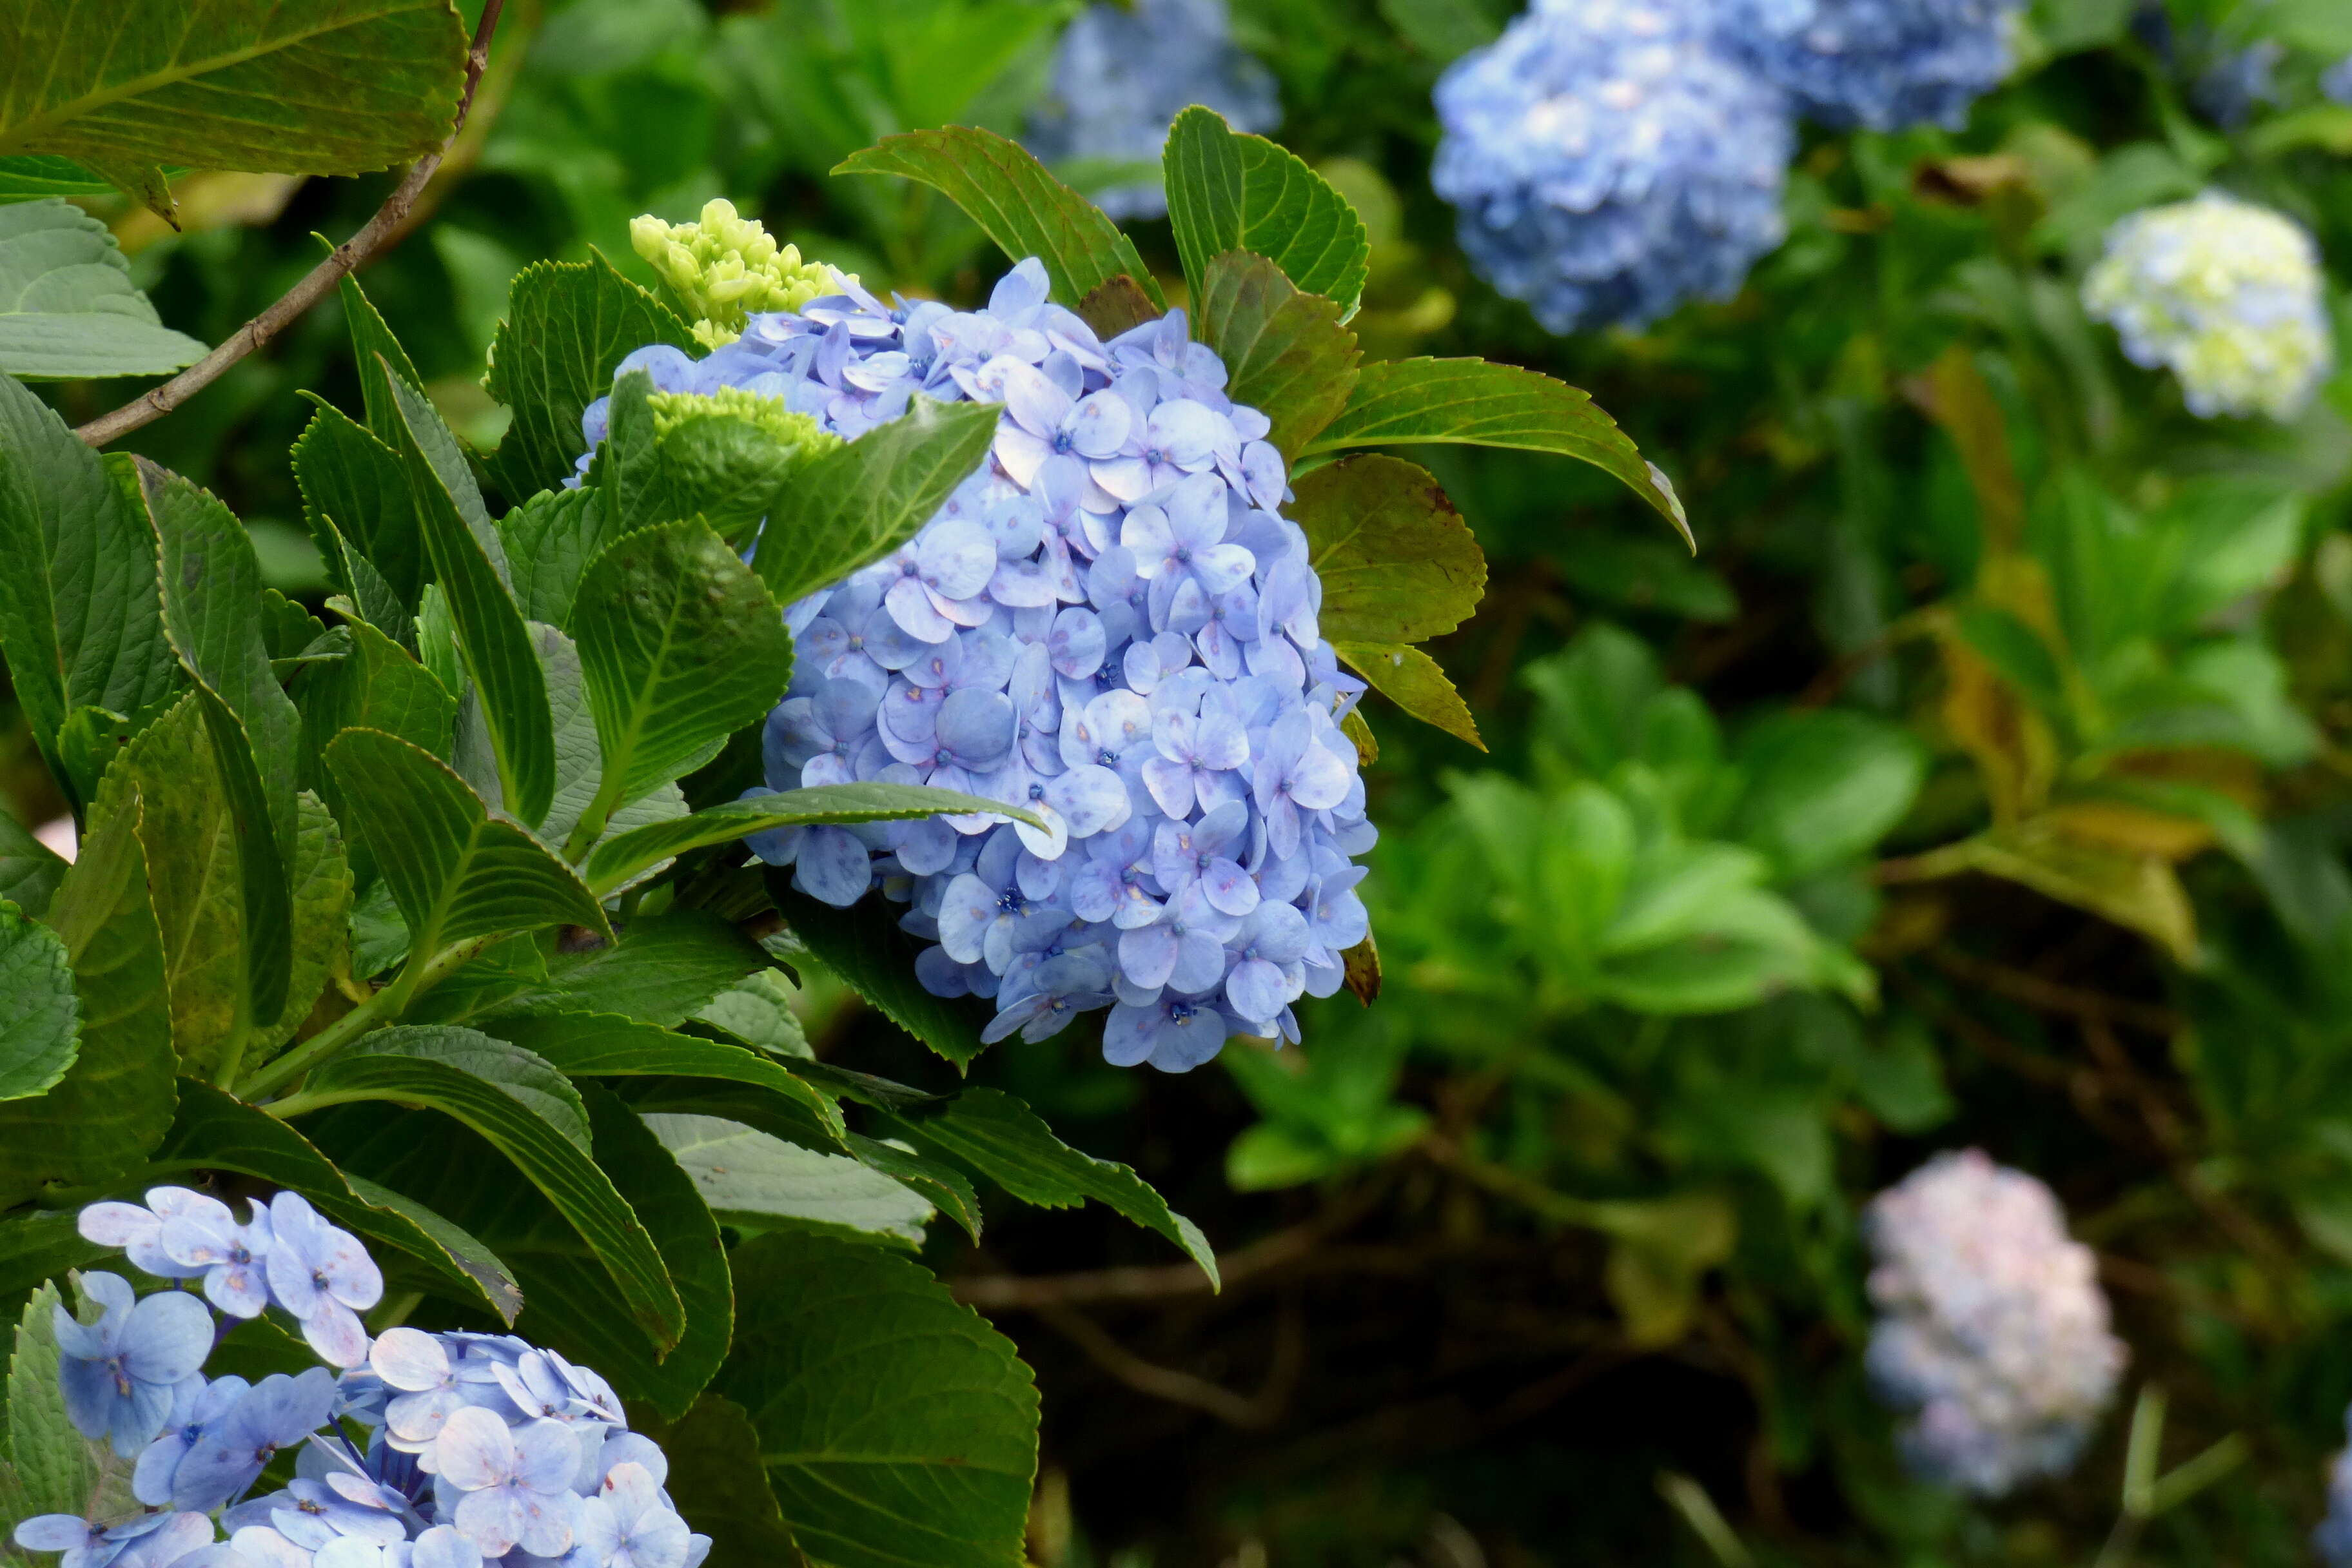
[{"x": 724, "y": 266}]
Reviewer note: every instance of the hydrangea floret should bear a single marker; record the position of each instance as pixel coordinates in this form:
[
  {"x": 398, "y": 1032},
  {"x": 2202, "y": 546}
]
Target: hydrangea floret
[
  {"x": 2336, "y": 82},
  {"x": 1609, "y": 163},
  {"x": 725, "y": 266},
  {"x": 416, "y": 1450},
  {"x": 1882, "y": 64},
  {"x": 1122, "y": 72},
  {"x": 1111, "y": 625},
  {"x": 1993, "y": 1336},
  {"x": 2226, "y": 294}
]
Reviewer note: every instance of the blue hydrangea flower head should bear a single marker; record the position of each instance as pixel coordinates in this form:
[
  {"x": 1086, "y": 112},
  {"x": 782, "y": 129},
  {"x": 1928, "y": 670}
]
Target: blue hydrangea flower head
[
  {"x": 478, "y": 1447},
  {"x": 2336, "y": 82},
  {"x": 1607, "y": 162},
  {"x": 1883, "y": 63},
  {"x": 2237, "y": 81},
  {"x": 2230, "y": 296},
  {"x": 1992, "y": 1335},
  {"x": 1123, "y": 72},
  {"x": 121, "y": 1375},
  {"x": 1111, "y": 625}
]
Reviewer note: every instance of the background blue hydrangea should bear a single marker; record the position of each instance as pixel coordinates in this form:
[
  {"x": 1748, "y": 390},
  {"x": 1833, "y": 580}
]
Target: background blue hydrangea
[
  {"x": 1122, "y": 73},
  {"x": 1883, "y": 63},
  {"x": 1608, "y": 164},
  {"x": 1110, "y": 625}
]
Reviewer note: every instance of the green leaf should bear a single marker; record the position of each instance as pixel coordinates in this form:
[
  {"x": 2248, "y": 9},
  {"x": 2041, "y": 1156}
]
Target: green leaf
[
  {"x": 29, "y": 179},
  {"x": 384, "y": 364},
  {"x": 757, "y": 1183},
  {"x": 852, "y": 506},
  {"x": 625, "y": 471},
  {"x": 114, "y": 1103},
  {"x": 333, "y": 86},
  {"x": 80, "y": 621},
  {"x": 623, "y": 855},
  {"x": 50, "y": 1467},
  {"x": 211, "y": 585},
  {"x": 568, "y": 325},
  {"x": 216, "y": 1131},
  {"x": 40, "y": 1018},
  {"x": 378, "y": 687},
  {"x": 897, "y": 1426},
  {"x": 454, "y": 870},
  {"x": 1285, "y": 353},
  {"x": 758, "y": 1011},
  {"x": 579, "y": 760},
  {"x": 468, "y": 563},
  {"x": 1229, "y": 191},
  {"x": 354, "y": 485},
  {"x": 606, "y": 1044},
  {"x": 716, "y": 1480},
  {"x": 68, "y": 308},
  {"x": 29, "y": 869},
  {"x": 1007, "y": 1142},
  {"x": 1413, "y": 680},
  {"x": 1824, "y": 787},
  {"x": 865, "y": 947},
  {"x": 442, "y": 1076},
  {"x": 680, "y": 647},
  {"x": 1444, "y": 30},
  {"x": 1396, "y": 560},
  {"x": 39, "y": 1245},
  {"x": 550, "y": 540},
  {"x": 1016, "y": 202},
  {"x": 938, "y": 1183},
  {"x": 661, "y": 970},
  {"x": 1469, "y": 400}
]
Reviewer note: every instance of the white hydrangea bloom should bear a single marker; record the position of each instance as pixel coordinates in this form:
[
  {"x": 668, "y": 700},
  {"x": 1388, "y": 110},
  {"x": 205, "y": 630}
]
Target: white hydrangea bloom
[
  {"x": 2228, "y": 294},
  {"x": 1993, "y": 1331}
]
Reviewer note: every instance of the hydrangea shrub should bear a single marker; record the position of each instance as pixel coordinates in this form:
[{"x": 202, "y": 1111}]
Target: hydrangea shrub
[{"x": 1992, "y": 1334}]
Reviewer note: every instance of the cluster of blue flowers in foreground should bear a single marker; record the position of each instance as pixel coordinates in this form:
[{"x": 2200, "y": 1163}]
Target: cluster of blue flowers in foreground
[
  {"x": 2228, "y": 294},
  {"x": 1609, "y": 164},
  {"x": 1993, "y": 1332},
  {"x": 1611, "y": 159},
  {"x": 417, "y": 1451},
  {"x": 1122, "y": 72},
  {"x": 1111, "y": 626},
  {"x": 1883, "y": 63}
]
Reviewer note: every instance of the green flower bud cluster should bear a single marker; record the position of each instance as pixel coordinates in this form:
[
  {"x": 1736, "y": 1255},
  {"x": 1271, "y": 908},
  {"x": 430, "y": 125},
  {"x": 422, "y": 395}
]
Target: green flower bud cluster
[{"x": 725, "y": 267}]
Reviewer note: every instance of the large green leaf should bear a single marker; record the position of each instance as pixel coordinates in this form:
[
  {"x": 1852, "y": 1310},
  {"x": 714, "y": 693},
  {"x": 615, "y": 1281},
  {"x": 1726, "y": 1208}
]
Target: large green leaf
[
  {"x": 1396, "y": 560},
  {"x": 1229, "y": 191},
  {"x": 29, "y": 869},
  {"x": 716, "y": 1480},
  {"x": 47, "y": 1466},
  {"x": 330, "y": 86},
  {"x": 662, "y": 968},
  {"x": 29, "y": 178},
  {"x": 626, "y": 471},
  {"x": 1470, "y": 401},
  {"x": 680, "y": 646},
  {"x": 897, "y": 1426},
  {"x": 550, "y": 540},
  {"x": 468, "y": 563},
  {"x": 1016, "y": 202},
  {"x": 852, "y": 506},
  {"x": 936, "y": 1182},
  {"x": 356, "y": 482},
  {"x": 1285, "y": 353},
  {"x": 37, "y": 1245},
  {"x": 758, "y": 1183},
  {"x": 80, "y": 621},
  {"x": 1007, "y": 1142},
  {"x": 624, "y": 855},
  {"x": 454, "y": 870},
  {"x": 580, "y": 760},
  {"x": 864, "y": 946},
  {"x": 1411, "y": 680},
  {"x": 67, "y": 309},
  {"x": 607, "y": 1045},
  {"x": 376, "y": 686},
  {"x": 216, "y": 1131},
  {"x": 114, "y": 1103},
  {"x": 568, "y": 325},
  {"x": 441, "y": 1068},
  {"x": 40, "y": 1018}
]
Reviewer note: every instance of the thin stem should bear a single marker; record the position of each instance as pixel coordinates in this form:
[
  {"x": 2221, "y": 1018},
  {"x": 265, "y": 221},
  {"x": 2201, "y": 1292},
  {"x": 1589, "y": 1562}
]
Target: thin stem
[
  {"x": 388, "y": 224},
  {"x": 385, "y": 1006}
]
